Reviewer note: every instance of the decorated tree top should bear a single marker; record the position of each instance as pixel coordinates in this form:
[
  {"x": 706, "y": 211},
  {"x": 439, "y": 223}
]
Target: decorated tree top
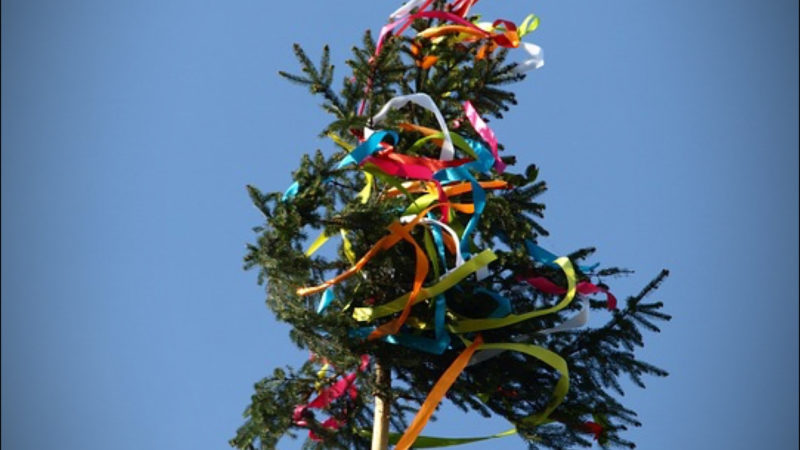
[{"x": 409, "y": 261}]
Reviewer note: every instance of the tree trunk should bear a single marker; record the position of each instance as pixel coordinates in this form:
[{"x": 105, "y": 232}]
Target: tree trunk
[{"x": 380, "y": 425}]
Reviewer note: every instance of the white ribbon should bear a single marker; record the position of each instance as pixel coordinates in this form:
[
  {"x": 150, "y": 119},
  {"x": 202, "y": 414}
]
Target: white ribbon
[
  {"x": 426, "y": 220},
  {"x": 459, "y": 258},
  {"x": 574, "y": 322},
  {"x": 534, "y": 62},
  {"x": 423, "y": 100},
  {"x": 484, "y": 355}
]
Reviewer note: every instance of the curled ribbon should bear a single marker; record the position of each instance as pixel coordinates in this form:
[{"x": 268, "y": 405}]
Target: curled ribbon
[
  {"x": 467, "y": 325},
  {"x": 385, "y": 243},
  {"x": 424, "y": 101},
  {"x": 447, "y": 281}
]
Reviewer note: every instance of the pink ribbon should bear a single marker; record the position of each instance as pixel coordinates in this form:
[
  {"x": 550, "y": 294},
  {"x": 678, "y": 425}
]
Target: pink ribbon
[
  {"x": 485, "y": 132},
  {"x": 461, "y": 7},
  {"x": 583, "y": 288},
  {"x": 385, "y": 30},
  {"x": 331, "y": 424},
  {"x": 405, "y": 169}
]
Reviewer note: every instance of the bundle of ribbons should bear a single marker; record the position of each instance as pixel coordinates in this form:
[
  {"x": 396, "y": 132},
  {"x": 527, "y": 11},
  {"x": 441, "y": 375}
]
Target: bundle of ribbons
[{"x": 429, "y": 184}]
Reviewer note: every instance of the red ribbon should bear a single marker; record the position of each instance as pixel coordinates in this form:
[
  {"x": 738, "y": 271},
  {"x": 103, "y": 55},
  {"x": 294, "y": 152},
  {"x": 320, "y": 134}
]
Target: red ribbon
[
  {"x": 593, "y": 428},
  {"x": 326, "y": 397}
]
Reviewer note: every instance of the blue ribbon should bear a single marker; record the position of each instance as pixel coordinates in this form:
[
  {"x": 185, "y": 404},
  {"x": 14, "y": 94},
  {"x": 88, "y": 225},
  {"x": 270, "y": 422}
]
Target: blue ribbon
[
  {"x": 441, "y": 339},
  {"x": 437, "y": 239},
  {"x": 478, "y": 199},
  {"x": 291, "y": 191},
  {"x": 325, "y": 301},
  {"x": 503, "y": 304},
  {"x": 483, "y": 164},
  {"x": 548, "y": 259},
  {"x": 368, "y": 147}
]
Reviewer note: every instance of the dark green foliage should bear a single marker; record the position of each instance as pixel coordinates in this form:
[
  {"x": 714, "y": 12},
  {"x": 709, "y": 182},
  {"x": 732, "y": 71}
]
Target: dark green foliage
[{"x": 597, "y": 358}]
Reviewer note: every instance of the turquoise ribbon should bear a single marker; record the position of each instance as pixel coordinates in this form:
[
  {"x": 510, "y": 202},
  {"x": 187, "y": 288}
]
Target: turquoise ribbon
[
  {"x": 325, "y": 301},
  {"x": 441, "y": 339},
  {"x": 503, "y": 304},
  {"x": 368, "y": 147},
  {"x": 437, "y": 239},
  {"x": 482, "y": 164},
  {"x": 548, "y": 259}
]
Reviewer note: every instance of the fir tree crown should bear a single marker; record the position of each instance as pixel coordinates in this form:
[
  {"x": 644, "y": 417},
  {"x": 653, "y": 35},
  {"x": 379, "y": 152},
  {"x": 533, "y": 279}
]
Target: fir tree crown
[{"x": 353, "y": 208}]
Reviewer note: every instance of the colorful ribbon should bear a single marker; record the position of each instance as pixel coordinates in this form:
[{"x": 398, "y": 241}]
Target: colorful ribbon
[
  {"x": 547, "y": 258},
  {"x": 451, "y": 374},
  {"x": 402, "y": 18},
  {"x": 461, "y": 7},
  {"x": 468, "y": 31},
  {"x": 397, "y": 232},
  {"x": 436, "y": 442}
]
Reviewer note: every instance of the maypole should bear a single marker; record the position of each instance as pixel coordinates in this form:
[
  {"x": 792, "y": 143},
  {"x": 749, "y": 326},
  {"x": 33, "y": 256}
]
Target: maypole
[{"x": 439, "y": 279}]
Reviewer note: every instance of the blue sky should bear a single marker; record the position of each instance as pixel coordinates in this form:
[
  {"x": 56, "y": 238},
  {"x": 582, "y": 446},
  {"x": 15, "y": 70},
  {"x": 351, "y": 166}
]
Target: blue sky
[{"x": 667, "y": 132}]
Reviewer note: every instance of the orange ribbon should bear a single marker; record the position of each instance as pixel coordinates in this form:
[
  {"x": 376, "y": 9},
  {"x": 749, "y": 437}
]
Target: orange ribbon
[
  {"x": 420, "y": 272},
  {"x": 508, "y": 38},
  {"x": 450, "y": 190},
  {"x": 437, "y": 393},
  {"x": 383, "y": 243}
]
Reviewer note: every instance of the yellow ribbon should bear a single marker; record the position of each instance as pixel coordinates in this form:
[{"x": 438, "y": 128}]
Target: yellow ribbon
[
  {"x": 347, "y": 247},
  {"x": 551, "y": 359},
  {"x": 447, "y": 281},
  {"x": 467, "y": 325},
  {"x": 318, "y": 242},
  {"x": 448, "y": 378}
]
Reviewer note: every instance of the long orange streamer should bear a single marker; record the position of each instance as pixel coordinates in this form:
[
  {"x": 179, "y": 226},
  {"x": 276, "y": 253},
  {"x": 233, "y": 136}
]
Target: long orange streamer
[
  {"x": 420, "y": 273},
  {"x": 383, "y": 243},
  {"x": 437, "y": 393}
]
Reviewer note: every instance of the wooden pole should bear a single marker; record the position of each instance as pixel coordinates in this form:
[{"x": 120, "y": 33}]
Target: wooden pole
[{"x": 380, "y": 425}]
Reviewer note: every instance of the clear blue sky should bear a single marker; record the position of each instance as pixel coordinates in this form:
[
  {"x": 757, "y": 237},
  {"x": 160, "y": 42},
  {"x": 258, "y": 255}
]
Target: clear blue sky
[{"x": 667, "y": 132}]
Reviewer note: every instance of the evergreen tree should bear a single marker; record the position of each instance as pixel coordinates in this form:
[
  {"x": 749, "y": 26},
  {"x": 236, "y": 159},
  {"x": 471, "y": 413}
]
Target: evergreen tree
[{"x": 331, "y": 199}]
